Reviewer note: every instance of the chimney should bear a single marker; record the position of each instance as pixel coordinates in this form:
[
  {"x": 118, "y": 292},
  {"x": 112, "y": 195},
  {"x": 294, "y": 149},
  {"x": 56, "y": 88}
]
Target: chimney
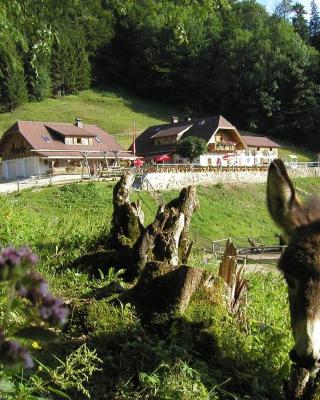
[
  {"x": 174, "y": 120},
  {"x": 78, "y": 123}
]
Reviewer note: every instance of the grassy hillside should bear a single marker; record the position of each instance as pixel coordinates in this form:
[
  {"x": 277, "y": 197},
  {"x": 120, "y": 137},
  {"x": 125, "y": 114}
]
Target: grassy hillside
[
  {"x": 78, "y": 213},
  {"x": 303, "y": 155},
  {"x": 206, "y": 354},
  {"x": 112, "y": 111}
]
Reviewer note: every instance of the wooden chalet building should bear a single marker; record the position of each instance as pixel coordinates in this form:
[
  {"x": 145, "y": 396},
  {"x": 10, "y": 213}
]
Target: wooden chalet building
[
  {"x": 225, "y": 145},
  {"x": 35, "y": 148}
]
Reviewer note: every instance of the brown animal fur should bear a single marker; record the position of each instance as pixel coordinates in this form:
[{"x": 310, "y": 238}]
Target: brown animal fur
[{"x": 300, "y": 263}]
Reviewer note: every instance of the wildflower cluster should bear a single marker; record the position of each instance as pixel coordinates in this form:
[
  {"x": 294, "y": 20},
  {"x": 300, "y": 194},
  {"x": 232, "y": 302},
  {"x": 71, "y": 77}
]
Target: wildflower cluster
[
  {"x": 16, "y": 266},
  {"x": 14, "y": 262},
  {"x": 12, "y": 354},
  {"x": 35, "y": 288}
]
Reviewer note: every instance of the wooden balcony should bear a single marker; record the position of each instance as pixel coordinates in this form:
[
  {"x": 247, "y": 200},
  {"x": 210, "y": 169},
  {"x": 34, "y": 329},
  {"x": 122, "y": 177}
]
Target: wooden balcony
[{"x": 221, "y": 147}]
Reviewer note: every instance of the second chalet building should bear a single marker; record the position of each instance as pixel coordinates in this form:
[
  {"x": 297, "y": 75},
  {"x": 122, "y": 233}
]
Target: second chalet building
[{"x": 225, "y": 145}]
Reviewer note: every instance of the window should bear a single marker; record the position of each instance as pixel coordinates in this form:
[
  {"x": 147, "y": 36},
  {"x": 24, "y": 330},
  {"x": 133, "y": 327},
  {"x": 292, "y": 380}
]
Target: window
[
  {"x": 98, "y": 139},
  {"x": 68, "y": 140},
  {"x": 85, "y": 141},
  {"x": 78, "y": 140},
  {"x": 45, "y": 138}
]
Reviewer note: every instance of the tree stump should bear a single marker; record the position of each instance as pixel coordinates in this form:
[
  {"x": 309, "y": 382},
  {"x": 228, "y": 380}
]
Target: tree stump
[
  {"x": 154, "y": 256},
  {"x": 127, "y": 219},
  {"x": 165, "y": 282},
  {"x": 232, "y": 274}
]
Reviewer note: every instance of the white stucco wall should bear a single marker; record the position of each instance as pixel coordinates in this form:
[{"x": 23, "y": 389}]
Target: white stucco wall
[
  {"x": 178, "y": 180},
  {"x": 22, "y": 168}
]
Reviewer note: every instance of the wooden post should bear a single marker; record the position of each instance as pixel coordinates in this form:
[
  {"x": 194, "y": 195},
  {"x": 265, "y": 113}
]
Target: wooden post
[
  {"x": 232, "y": 274},
  {"x": 81, "y": 170},
  {"x": 18, "y": 184}
]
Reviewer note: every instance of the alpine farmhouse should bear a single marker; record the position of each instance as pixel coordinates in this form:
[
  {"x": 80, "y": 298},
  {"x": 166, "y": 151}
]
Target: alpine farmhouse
[
  {"x": 225, "y": 145},
  {"x": 38, "y": 148}
]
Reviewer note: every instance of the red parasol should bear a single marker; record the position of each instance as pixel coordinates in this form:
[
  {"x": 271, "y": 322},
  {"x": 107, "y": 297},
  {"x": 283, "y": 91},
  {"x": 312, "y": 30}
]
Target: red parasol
[
  {"x": 138, "y": 162},
  {"x": 164, "y": 157},
  {"x": 228, "y": 155}
]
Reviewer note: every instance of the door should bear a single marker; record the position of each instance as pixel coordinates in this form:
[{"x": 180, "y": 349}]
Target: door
[
  {"x": 11, "y": 169},
  {"x": 29, "y": 167}
]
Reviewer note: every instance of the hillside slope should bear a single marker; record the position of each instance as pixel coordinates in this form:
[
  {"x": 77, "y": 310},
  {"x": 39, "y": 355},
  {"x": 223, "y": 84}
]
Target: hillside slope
[
  {"x": 111, "y": 111},
  {"x": 80, "y": 213}
]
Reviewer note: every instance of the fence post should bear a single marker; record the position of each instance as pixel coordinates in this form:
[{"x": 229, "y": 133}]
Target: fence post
[{"x": 18, "y": 184}]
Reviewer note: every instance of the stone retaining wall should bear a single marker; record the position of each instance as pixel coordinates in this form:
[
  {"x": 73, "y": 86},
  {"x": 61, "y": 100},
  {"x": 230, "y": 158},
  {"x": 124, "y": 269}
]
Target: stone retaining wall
[{"x": 178, "y": 180}]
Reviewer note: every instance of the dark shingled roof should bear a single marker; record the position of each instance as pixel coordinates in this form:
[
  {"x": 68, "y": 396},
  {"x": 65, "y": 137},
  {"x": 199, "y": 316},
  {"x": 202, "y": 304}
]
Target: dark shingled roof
[
  {"x": 171, "y": 131},
  {"x": 206, "y": 127},
  {"x": 259, "y": 141}
]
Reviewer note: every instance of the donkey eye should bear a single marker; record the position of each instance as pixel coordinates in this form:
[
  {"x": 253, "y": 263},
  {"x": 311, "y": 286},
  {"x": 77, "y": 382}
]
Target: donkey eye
[{"x": 290, "y": 282}]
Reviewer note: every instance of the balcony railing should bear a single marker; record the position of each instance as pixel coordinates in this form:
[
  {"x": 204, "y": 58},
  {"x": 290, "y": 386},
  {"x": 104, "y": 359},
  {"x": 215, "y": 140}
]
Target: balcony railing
[{"x": 220, "y": 147}]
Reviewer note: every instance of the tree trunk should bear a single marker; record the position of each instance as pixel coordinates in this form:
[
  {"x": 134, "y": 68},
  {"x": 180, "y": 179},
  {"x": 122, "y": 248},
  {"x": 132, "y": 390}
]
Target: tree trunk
[
  {"x": 164, "y": 283},
  {"x": 127, "y": 218}
]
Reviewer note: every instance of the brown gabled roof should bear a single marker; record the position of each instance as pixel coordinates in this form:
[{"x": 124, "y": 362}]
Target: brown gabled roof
[
  {"x": 47, "y": 137},
  {"x": 200, "y": 127},
  {"x": 68, "y": 129},
  {"x": 259, "y": 141}
]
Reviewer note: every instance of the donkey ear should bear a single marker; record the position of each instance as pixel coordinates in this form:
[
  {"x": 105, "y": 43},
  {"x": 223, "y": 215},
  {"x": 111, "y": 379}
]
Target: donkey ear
[{"x": 284, "y": 206}]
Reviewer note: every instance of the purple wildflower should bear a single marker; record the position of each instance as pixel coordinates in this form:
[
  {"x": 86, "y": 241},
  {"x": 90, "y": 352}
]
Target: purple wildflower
[
  {"x": 53, "y": 311},
  {"x": 13, "y": 262},
  {"x": 12, "y": 354},
  {"x": 33, "y": 287}
]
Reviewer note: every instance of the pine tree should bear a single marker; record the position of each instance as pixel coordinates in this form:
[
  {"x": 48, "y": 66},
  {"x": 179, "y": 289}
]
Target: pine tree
[
  {"x": 283, "y": 9},
  {"x": 83, "y": 70},
  {"x": 57, "y": 68},
  {"x": 15, "y": 85},
  {"x": 13, "y": 91},
  {"x": 314, "y": 24},
  {"x": 299, "y": 22}
]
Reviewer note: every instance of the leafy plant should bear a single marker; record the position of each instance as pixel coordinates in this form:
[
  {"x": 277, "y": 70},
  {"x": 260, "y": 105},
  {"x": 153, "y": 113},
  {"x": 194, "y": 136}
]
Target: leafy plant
[{"x": 191, "y": 147}]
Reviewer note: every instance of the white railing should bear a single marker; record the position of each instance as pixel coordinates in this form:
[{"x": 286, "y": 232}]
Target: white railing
[{"x": 299, "y": 165}]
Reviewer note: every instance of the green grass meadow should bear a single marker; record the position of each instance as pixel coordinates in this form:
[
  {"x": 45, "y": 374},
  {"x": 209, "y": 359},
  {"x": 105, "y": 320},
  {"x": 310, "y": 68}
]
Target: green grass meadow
[
  {"x": 110, "y": 110},
  {"x": 205, "y": 354}
]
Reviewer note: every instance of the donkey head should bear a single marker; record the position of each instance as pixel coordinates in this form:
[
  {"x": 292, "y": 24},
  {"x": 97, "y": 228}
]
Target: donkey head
[{"x": 300, "y": 262}]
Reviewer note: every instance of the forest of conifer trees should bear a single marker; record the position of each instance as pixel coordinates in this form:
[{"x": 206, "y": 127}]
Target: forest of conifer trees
[{"x": 261, "y": 70}]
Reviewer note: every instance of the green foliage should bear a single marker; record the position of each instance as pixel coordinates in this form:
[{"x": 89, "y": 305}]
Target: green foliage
[
  {"x": 75, "y": 370},
  {"x": 104, "y": 317},
  {"x": 191, "y": 147}
]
